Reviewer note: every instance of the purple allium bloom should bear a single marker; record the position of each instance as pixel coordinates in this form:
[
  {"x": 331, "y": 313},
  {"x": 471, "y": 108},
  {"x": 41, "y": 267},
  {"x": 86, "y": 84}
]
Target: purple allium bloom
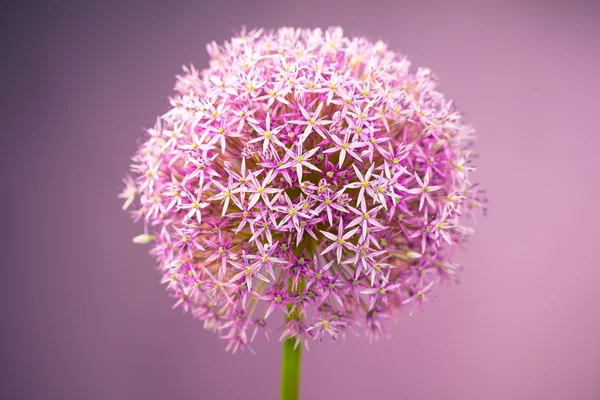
[{"x": 307, "y": 173}]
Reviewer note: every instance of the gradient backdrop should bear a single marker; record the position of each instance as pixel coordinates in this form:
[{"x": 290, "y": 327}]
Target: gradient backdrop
[{"x": 83, "y": 313}]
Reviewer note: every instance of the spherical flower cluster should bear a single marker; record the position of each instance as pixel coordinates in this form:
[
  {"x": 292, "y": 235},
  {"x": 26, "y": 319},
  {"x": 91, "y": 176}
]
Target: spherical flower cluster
[{"x": 306, "y": 172}]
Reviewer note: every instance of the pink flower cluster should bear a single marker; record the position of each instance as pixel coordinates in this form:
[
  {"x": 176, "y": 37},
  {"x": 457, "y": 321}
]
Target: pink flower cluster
[{"x": 306, "y": 172}]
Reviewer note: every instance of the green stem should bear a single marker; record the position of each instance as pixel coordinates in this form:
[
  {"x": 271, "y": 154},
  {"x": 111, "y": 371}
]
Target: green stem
[
  {"x": 290, "y": 369},
  {"x": 290, "y": 361}
]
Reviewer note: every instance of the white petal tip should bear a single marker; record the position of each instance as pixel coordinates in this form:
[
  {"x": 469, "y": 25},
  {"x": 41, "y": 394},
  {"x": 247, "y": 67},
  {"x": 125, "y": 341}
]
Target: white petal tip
[
  {"x": 413, "y": 254},
  {"x": 143, "y": 239}
]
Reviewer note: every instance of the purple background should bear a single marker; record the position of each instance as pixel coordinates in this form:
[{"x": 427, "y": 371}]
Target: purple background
[{"x": 84, "y": 315}]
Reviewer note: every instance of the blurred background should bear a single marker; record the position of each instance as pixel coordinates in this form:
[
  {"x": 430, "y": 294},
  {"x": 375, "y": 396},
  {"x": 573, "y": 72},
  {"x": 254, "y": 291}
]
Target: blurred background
[{"x": 83, "y": 313}]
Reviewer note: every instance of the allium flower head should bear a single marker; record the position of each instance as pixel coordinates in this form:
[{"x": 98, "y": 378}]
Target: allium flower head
[{"x": 307, "y": 173}]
